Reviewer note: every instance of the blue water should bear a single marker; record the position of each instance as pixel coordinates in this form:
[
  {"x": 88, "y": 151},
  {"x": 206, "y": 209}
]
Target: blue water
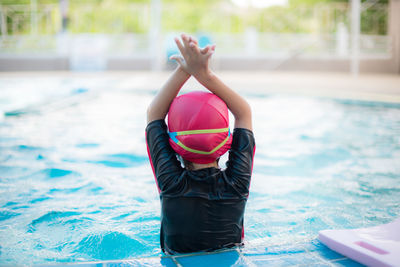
[{"x": 76, "y": 185}]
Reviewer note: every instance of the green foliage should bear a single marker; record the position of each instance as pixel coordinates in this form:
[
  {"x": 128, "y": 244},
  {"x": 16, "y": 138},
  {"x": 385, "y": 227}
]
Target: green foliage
[
  {"x": 192, "y": 16},
  {"x": 183, "y": 16},
  {"x": 374, "y": 21},
  {"x": 14, "y": 2},
  {"x": 312, "y": 2},
  {"x": 26, "y": 2},
  {"x": 276, "y": 19},
  {"x": 107, "y": 17}
]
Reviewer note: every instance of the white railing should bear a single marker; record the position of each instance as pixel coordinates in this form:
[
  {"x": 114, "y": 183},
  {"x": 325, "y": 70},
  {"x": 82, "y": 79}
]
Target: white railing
[{"x": 327, "y": 34}]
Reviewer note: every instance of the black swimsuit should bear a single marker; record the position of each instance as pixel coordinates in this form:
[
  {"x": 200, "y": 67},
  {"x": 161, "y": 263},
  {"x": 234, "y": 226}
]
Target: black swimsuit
[{"x": 201, "y": 210}]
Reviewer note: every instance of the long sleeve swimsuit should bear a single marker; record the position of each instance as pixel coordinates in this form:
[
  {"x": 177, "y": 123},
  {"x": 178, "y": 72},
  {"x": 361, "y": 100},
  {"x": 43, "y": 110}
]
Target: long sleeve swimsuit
[{"x": 201, "y": 210}]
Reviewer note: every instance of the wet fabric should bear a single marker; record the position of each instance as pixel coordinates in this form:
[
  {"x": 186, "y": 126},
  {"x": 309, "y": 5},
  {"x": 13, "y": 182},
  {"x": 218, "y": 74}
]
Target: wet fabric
[{"x": 201, "y": 210}]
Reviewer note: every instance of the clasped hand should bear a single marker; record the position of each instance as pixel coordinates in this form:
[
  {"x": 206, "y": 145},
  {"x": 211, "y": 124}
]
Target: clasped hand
[{"x": 193, "y": 60}]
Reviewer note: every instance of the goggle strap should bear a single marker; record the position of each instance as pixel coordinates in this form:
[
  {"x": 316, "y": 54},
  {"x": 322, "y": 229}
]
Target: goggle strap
[
  {"x": 206, "y": 131},
  {"x": 173, "y": 135}
]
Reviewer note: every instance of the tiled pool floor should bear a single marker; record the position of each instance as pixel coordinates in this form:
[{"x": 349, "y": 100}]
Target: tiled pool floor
[{"x": 307, "y": 254}]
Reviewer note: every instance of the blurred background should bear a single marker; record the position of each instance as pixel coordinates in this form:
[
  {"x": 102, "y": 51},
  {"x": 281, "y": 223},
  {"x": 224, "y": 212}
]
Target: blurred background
[{"x": 91, "y": 35}]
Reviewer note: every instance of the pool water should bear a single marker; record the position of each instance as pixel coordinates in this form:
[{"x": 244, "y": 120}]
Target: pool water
[{"x": 76, "y": 184}]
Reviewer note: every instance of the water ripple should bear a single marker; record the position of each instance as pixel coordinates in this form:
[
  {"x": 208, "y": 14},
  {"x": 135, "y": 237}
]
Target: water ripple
[
  {"x": 109, "y": 245},
  {"x": 27, "y": 148},
  {"x": 40, "y": 199},
  {"x": 51, "y": 217},
  {"x": 5, "y": 214},
  {"x": 56, "y": 173},
  {"x": 92, "y": 188},
  {"x": 120, "y": 160},
  {"x": 87, "y": 145}
]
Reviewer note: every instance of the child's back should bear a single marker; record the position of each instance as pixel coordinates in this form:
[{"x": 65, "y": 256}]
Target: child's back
[{"x": 201, "y": 209}]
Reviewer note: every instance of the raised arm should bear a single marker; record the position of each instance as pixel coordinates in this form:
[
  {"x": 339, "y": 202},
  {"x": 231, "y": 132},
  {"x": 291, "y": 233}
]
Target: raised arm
[
  {"x": 159, "y": 107},
  {"x": 237, "y": 105},
  {"x": 196, "y": 62}
]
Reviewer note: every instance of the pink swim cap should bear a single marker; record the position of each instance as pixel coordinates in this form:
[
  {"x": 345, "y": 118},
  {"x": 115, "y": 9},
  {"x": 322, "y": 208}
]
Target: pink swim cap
[{"x": 198, "y": 124}]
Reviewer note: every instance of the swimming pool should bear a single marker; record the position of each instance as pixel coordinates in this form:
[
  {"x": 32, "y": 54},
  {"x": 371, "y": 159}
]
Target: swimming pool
[{"x": 76, "y": 185}]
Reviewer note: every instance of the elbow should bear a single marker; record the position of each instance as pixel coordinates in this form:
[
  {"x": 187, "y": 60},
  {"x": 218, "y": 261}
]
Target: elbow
[
  {"x": 243, "y": 119},
  {"x": 245, "y": 111},
  {"x": 154, "y": 113}
]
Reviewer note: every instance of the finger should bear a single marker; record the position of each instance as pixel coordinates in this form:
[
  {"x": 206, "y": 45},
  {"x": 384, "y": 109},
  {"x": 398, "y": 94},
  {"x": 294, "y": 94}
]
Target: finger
[
  {"x": 179, "y": 44},
  {"x": 177, "y": 58},
  {"x": 208, "y": 48},
  {"x": 194, "y": 47},
  {"x": 205, "y": 49},
  {"x": 192, "y": 39},
  {"x": 185, "y": 40},
  {"x": 192, "y": 44},
  {"x": 210, "y": 52}
]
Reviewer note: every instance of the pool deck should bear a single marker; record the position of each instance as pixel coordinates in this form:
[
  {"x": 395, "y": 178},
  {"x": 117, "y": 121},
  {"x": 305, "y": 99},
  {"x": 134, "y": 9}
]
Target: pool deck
[{"x": 368, "y": 87}]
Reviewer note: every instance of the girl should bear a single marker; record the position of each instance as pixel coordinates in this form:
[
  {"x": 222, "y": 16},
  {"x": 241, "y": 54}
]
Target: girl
[{"x": 202, "y": 206}]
